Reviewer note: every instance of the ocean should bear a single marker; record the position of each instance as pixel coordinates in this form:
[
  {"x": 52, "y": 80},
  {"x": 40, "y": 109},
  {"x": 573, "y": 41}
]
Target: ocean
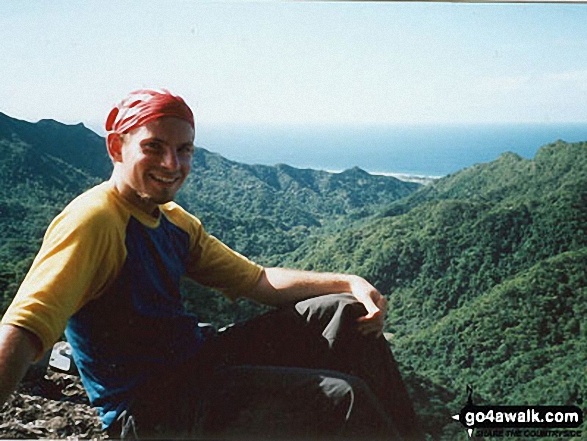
[{"x": 425, "y": 150}]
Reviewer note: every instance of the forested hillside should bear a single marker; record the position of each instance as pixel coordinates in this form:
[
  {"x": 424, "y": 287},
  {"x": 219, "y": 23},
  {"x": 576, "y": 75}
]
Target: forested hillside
[
  {"x": 265, "y": 212},
  {"x": 75, "y": 144},
  {"x": 34, "y": 187},
  {"x": 486, "y": 273}
]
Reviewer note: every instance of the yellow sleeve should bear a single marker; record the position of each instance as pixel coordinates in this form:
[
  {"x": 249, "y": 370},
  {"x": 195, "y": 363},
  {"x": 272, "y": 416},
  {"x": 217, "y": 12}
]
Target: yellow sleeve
[
  {"x": 214, "y": 264},
  {"x": 76, "y": 261}
]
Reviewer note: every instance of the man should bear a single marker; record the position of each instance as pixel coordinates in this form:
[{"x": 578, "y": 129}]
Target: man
[{"x": 108, "y": 275}]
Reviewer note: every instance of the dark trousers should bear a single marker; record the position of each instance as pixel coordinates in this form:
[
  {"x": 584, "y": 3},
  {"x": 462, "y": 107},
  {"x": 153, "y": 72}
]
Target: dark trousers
[{"x": 296, "y": 372}]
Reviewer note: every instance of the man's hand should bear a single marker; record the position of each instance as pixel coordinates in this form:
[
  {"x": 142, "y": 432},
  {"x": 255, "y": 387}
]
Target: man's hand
[{"x": 375, "y": 304}]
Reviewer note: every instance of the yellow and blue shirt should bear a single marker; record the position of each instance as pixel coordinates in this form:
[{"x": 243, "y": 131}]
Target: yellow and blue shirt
[{"x": 109, "y": 275}]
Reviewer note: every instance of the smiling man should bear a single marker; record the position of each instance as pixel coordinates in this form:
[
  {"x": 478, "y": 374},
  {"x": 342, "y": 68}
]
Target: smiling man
[{"x": 108, "y": 275}]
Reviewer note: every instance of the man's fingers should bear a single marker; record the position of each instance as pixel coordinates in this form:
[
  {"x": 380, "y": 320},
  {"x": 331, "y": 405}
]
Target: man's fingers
[
  {"x": 375, "y": 304},
  {"x": 371, "y": 323},
  {"x": 377, "y": 308},
  {"x": 370, "y": 316}
]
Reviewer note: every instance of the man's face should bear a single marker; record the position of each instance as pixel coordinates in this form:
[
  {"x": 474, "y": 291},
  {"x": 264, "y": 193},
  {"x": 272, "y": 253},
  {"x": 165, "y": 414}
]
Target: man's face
[{"x": 154, "y": 161}]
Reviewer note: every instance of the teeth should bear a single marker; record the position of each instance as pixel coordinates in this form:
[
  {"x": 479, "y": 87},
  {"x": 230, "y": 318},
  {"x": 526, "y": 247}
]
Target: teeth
[{"x": 164, "y": 180}]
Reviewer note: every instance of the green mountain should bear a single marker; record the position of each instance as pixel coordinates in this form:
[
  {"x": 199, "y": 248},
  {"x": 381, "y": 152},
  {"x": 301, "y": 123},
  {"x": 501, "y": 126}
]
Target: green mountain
[
  {"x": 485, "y": 271},
  {"x": 266, "y": 211},
  {"x": 523, "y": 342},
  {"x": 76, "y": 145},
  {"x": 34, "y": 187}
]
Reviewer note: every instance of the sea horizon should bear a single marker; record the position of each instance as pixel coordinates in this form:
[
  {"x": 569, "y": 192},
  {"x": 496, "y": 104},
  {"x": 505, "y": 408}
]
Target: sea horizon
[{"x": 432, "y": 150}]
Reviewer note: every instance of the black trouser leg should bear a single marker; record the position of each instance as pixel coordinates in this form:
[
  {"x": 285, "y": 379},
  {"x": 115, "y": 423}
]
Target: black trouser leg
[
  {"x": 284, "y": 402},
  {"x": 321, "y": 333},
  {"x": 366, "y": 357}
]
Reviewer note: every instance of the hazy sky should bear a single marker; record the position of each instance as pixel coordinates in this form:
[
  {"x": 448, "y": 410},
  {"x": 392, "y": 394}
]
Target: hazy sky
[{"x": 297, "y": 62}]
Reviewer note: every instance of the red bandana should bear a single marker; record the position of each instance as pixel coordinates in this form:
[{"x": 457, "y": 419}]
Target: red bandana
[{"x": 143, "y": 106}]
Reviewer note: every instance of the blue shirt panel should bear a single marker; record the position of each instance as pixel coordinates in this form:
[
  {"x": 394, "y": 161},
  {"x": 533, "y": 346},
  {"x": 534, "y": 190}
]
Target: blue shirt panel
[{"x": 139, "y": 325}]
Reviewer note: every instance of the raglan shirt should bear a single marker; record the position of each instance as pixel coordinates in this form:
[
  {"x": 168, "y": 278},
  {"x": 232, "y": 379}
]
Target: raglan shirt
[{"x": 109, "y": 275}]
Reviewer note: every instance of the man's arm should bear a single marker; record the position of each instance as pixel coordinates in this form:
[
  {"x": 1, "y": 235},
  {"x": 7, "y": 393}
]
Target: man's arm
[
  {"x": 18, "y": 349},
  {"x": 279, "y": 286}
]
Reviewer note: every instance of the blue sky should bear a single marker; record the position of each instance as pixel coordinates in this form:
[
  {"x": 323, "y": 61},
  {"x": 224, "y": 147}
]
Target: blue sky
[{"x": 297, "y": 62}]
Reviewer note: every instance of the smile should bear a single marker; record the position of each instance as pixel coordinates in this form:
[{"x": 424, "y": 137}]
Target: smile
[{"x": 163, "y": 180}]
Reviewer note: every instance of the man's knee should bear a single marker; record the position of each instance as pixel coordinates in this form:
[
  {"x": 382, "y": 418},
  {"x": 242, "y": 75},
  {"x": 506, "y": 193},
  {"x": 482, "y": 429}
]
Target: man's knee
[
  {"x": 327, "y": 304},
  {"x": 331, "y": 315}
]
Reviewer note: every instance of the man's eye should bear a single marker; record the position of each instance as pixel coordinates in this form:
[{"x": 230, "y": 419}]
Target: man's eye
[
  {"x": 152, "y": 146},
  {"x": 186, "y": 150}
]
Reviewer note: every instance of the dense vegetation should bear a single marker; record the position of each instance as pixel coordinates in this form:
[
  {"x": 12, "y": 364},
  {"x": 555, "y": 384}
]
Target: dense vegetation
[
  {"x": 265, "y": 211},
  {"x": 486, "y": 272},
  {"x": 485, "y": 269}
]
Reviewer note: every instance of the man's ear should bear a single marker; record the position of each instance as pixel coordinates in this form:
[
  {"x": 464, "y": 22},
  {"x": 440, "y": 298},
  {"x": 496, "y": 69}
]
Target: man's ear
[{"x": 114, "y": 145}]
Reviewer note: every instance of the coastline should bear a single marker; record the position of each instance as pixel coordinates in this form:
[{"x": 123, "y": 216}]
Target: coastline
[{"x": 408, "y": 177}]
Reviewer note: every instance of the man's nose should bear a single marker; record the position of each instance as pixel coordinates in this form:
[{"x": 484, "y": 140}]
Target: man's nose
[{"x": 170, "y": 161}]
